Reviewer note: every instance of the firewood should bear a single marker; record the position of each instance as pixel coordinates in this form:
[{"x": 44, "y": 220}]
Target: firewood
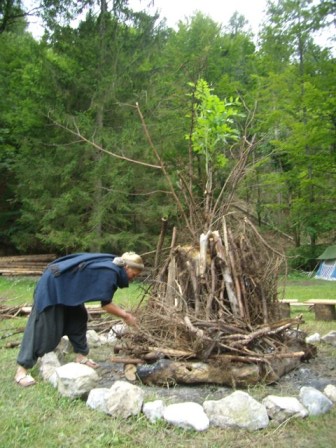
[
  {"x": 166, "y": 372},
  {"x": 170, "y": 293},
  {"x": 164, "y": 224},
  {"x": 198, "y": 332},
  {"x": 172, "y": 352},
  {"x": 127, "y": 360},
  {"x": 130, "y": 372},
  {"x": 203, "y": 254}
]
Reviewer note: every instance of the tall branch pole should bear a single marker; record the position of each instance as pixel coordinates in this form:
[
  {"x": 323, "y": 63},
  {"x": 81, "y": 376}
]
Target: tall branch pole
[{"x": 163, "y": 168}]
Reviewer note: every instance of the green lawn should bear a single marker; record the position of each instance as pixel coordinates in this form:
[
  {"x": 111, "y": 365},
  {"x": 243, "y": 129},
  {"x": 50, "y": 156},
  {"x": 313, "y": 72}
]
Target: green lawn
[
  {"x": 39, "y": 417},
  {"x": 20, "y": 290},
  {"x": 302, "y": 288}
]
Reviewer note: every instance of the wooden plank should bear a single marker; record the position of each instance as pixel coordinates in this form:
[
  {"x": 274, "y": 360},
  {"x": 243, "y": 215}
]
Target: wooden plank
[
  {"x": 301, "y": 304},
  {"x": 321, "y": 301}
]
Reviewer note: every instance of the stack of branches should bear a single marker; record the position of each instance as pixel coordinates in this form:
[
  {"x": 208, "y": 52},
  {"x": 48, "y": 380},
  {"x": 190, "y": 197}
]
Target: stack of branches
[
  {"x": 9, "y": 312},
  {"x": 217, "y": 303},
  {"x": 217, "y": 296},
  {"x": 165, "y": 332},
  {"x": 228, "y": 275}
]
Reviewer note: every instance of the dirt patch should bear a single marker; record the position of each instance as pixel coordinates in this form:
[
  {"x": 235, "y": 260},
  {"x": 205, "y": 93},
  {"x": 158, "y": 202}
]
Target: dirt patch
[{"x": 317, "y": 372}]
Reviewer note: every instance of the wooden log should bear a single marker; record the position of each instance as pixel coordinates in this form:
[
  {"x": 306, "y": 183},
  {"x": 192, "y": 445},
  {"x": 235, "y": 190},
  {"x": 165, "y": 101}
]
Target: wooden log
[
  {"x": 232, "y": 374},
  {"x": 130, "y": 372},
  {"x": 203, "y": 255},
  {"x": 173, "y": 353},
  {"x": 20, "y": 265},
  {"x": 20, "y": 258},
  {"x": 123, "y": 360},
  {"x": 228, "y": 277},
  {"x": 171, "y": 292},
  {"x": 26, "y": 310},
  {"x": 231, "y": 254},
  {"x": 166, "y": 373},
  {"x": 164, "y": 224},
  {"x": 166, "y": 264},
  {"x": 21, "y": 272}
]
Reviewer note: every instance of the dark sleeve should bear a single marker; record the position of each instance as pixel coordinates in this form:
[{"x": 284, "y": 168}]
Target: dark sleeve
[
  {"x": 105, "y": 302},
  {"x": 113, "y": 287}
]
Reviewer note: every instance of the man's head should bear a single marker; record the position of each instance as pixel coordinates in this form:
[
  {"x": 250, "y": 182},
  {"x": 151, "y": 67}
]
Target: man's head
[{"x": 133, "y": 264}]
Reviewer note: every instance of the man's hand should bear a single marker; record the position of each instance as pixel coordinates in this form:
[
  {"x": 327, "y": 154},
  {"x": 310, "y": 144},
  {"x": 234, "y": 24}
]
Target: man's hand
[{"x": 129, "y": 319}]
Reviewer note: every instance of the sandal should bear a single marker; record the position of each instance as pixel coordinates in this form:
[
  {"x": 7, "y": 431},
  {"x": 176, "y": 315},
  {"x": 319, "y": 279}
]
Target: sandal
[
  {"x": 25, "y": 380},
  {"x": 88, "y": 362}
]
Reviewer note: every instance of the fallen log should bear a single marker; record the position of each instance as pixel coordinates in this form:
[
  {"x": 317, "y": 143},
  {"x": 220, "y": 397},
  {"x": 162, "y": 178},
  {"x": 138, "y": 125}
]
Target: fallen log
[{"x": 166, "y": 372}]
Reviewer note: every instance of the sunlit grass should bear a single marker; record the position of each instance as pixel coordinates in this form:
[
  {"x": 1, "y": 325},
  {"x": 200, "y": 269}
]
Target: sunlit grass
[
  {"x": 17, "y": 290},
  {"x": 20, "y": 290},
  {"x": 302, "y": 288},
  {"x": 39, "y": 417}
]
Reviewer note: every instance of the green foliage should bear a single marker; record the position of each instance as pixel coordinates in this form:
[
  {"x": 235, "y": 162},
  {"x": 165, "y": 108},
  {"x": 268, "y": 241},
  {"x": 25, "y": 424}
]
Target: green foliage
[
  {"x": 215, "y": 127},
  {"x": 305, "y": 257},
  {"x": 59, "y": 193}
]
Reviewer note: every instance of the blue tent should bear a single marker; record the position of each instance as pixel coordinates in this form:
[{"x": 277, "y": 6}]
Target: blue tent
[{"x": 327, "y": 267}]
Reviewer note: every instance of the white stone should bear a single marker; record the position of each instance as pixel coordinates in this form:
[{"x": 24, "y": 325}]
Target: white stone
[
  {"x": 75, "y": 380},
  {"x": 124, "y": 399},
  {"x": 187, "y": 415},
  {"x": 330, "y": 338},
  {"x": 153, "y": 410},
  {"x": 316, "y": 337},
  {"x": 53, "y": 379},
  {"x": 64, "y": 347},
  {"x": 330, "y": 392},
  {"x": 280, "y": 409},
  {"x": 238, "y": 410},
  {"x": 116, "y": 332},
  {"x": 314, "y": 401},
  {"x": 93, "y": 338},
  {"x": 97, "y": 399},
  {"x": 48, "y": 365},
  {"x": 103, "y": 339}
]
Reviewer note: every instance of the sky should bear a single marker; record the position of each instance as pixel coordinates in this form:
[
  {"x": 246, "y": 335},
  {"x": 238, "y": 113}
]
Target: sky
[
  {"x": 219, "y": 10},
  {"x": 174, "y": 10}
]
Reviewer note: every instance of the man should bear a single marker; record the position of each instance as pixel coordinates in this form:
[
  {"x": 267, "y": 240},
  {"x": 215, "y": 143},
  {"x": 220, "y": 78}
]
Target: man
[{"x": 59, "y": 310}]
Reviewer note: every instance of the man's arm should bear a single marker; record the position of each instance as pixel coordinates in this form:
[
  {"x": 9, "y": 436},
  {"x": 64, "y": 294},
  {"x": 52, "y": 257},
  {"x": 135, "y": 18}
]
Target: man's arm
[{"x": 128, "y": 318}]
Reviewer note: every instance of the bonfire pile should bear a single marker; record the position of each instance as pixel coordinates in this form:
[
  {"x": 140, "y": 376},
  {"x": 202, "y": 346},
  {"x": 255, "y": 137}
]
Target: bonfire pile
[{"x": 216, "y": 304}]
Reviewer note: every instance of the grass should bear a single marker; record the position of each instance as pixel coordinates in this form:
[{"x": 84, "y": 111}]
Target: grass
[
  {"x": 15, "y": 291},
  {"x": 302, "y": 288},
  {"x": 39, "y": 417}
]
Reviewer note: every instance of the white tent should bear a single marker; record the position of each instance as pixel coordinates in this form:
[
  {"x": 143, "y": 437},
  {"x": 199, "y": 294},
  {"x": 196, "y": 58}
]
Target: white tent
[{"x": 327, "y": 267}]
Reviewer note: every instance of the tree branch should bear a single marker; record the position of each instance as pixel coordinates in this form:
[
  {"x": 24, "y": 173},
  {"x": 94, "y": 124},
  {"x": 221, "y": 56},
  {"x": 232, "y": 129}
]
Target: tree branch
[{"x": 100, "y": 148}]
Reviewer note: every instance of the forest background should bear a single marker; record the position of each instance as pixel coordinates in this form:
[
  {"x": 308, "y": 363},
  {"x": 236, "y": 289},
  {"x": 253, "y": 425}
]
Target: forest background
[{"x": 87, "y": 112}]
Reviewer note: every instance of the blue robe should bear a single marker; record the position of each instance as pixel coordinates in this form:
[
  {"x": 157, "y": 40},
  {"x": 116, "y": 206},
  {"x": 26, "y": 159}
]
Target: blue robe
[{"x": 78, "y": 278}]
